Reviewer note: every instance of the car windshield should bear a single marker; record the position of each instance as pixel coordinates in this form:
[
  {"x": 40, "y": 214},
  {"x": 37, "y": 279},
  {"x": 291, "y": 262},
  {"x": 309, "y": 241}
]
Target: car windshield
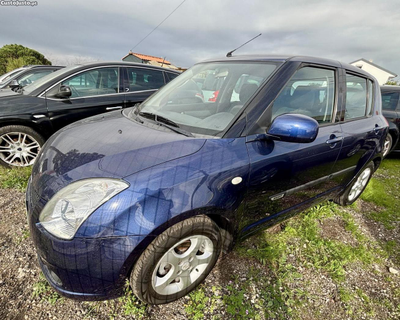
[
  {"x": 206, "y": 98},
  {"x": 9, "y": 75},
  {"x": 33, "y": 86}
]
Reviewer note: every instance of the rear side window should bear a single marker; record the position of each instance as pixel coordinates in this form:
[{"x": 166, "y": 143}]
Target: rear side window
[
  {"x": 144, "y": 79},
  {"x": 171, "y": 76},
  {"x": 311, "y": 91},
  {"x": 390, "y": 100},
  {"x": 356, "y": 97}
]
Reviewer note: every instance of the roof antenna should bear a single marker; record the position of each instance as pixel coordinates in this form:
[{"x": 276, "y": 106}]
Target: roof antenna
[{"x": 229, "y": 54}]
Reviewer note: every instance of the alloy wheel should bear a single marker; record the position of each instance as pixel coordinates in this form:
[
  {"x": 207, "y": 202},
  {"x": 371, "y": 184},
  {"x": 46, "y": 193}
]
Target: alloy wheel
[
  {"x": 360, "y": 184},
  {"x": 387, "y": 146},
  {"x": 18, "y": 149}
]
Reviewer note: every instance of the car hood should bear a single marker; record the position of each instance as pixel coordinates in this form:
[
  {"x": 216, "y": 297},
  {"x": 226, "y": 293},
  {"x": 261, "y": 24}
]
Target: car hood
[
  {"x": 8, "y": 92},
  {"x": 108, "y": 145}
]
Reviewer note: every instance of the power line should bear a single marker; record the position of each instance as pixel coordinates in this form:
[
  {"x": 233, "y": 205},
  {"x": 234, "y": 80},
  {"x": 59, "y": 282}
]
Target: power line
[{"x": 158, "y": 25}]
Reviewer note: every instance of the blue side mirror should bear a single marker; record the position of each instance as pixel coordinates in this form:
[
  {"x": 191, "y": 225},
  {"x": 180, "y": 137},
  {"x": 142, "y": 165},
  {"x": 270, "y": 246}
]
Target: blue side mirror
[{"x": 294, "y": 128}]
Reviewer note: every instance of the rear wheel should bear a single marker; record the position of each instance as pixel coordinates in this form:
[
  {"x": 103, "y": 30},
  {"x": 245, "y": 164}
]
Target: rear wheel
[
  {"x": 387, "y": 146},
  {"x": 19, "y": 146},
  {"x": 177, "y": 261},
  {"x": 359, "y": 184}
]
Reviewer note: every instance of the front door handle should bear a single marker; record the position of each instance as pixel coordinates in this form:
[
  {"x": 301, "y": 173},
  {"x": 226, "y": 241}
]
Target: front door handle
[
  {"x": 333, "y": 140},
  {"x": 114, "y": 108}
]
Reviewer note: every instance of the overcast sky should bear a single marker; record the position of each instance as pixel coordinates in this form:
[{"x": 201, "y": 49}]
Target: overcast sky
[{"x": 79, "y": 30}]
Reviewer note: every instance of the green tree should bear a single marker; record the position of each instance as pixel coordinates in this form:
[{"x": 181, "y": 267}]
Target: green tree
[
  {"x": 392, "y": 83},
  {"x": 13, "y": 56}
]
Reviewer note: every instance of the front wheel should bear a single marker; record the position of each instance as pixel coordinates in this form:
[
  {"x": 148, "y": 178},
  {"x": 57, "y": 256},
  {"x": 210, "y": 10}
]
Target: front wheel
[
  {"x": 19, "y": 146},
  {"x": 177, "y": 261},
  {"x": 354, "y": 190}
]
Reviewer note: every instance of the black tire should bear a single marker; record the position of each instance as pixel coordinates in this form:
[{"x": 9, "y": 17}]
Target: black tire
[
  {"x": 12, "y": 132},
  {"x": 387, "y": 147},
  {"x": 144, "y": 271},
  {"x": 346, "y": 199}
]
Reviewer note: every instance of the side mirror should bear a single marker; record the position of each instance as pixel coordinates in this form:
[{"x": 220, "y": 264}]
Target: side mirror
[
  {"x": 14, "y": 84},
  {"x": 294, "y": 128},
  {"x": 64, "y": 92}
]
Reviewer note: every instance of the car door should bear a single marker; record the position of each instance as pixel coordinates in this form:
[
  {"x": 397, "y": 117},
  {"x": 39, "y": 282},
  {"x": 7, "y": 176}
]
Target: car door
[
  {"x": 361, "y": 129},
  {"x": 141, "y": 83},
  {"x": 93, "y": 91},
  {"x": 285, "y": 177}
]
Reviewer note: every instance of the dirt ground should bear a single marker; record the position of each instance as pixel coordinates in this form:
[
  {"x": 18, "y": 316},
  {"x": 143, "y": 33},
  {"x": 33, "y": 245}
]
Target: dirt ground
[{"x": 20, "y": 275}]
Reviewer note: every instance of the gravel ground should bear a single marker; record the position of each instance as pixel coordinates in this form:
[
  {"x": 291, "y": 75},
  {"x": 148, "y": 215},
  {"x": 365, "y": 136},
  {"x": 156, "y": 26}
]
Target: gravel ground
[{"x": 20, "y": 274}]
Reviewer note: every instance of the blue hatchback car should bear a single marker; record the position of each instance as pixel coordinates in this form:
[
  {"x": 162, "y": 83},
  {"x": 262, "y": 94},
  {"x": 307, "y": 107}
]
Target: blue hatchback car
[{"x": 154, "y": 193}]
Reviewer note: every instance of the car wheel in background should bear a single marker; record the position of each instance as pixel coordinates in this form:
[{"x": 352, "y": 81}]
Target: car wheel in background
[
  {"x": 354, "y": 190},
  {"x": 177, "y": 261},
  {"x": 387, "y": 146},
  {"x": 19, "y": 146}
]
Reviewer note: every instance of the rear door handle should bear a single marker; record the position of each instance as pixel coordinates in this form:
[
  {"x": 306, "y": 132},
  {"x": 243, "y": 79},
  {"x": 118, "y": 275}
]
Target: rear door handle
[
  {"x": 377, "y": 129},
  {"x": 114, "y": 108}
]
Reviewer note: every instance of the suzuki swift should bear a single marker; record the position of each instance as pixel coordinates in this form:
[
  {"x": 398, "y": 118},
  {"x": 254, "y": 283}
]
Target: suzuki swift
[{"x": 155, "y": 192}]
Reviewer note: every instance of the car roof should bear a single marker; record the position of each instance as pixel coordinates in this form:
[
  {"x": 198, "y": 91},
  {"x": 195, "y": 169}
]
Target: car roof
[
  {"x": 37, "y": 66},
  {"x": 297, "y": 58},
  {"x": 123, "y": 63},
  {"x": 390, "y": 88}
]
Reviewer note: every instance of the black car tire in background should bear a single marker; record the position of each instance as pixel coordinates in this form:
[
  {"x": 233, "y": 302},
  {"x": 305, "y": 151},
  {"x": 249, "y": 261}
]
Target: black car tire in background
[
  {"x": 179, "y": 242},
  {"x": 387, "y": 146},
  {"x": 19, "y": 146},
  {"x": 357, "y": 186}
]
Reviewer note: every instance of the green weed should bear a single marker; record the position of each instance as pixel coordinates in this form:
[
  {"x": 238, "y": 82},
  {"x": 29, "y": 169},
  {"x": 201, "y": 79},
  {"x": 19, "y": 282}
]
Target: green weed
[
  {"x": 132, "y": 305},
  {"x": 16, "y": 178},
  {"x": 44, "y": 291}
]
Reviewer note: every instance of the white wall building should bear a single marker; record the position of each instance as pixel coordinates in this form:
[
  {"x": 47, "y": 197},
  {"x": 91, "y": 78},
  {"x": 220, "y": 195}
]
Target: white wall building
[{"x": 381, "y": 74}]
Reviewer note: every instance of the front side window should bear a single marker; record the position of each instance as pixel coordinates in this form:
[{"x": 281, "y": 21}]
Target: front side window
[
  {"x": 390, "y": 100},
  {"x": 206, "y": 98},
  {"x": 311, "y": 91},
  {"x": 93, "y": 82},
  {"x": 356, "y": 97},
  {"x": 140, "y": 79}
]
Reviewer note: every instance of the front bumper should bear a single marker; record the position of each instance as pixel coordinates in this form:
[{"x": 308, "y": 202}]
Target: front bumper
[{"x": 85, "y": 269}]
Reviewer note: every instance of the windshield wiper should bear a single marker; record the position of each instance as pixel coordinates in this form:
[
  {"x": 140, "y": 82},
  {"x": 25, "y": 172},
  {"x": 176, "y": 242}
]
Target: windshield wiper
[{"x": 165, "y": 122}]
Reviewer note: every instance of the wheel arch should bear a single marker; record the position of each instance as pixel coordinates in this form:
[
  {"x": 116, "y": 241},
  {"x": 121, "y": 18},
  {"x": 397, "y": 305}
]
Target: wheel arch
[
  {"x": 218, "y": 216},
  {"x": 26, "y": 123}
]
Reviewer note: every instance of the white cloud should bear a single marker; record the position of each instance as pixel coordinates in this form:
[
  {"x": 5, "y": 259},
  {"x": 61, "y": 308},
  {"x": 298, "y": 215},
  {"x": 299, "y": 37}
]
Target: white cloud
[{"x": 106, "y": 30}]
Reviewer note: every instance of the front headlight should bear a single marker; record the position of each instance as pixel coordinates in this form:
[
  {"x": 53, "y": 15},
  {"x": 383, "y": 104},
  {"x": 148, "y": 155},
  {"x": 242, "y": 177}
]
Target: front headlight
[{"x": 71, "y": 206}]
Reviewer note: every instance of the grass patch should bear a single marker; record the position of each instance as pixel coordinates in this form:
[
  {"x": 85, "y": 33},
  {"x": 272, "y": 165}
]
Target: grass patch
[
  {"x": 131, "y": 305},
  {"x": 16, "y": 178},
  {"x": 197, "y": 304},
  {"x": 302, "y": 240},
  {"x": 45, "y": 292},
  {"x": 237, "y": 306},
  {"x": 383, "y": 191}
]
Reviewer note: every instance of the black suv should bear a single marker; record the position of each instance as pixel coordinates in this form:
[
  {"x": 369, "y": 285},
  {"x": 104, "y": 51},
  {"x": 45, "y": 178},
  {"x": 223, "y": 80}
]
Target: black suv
[
  {"x": 26, "y": 75},
  {"x": 391, "y": 111},
  {"x": 31, "y": 115}
]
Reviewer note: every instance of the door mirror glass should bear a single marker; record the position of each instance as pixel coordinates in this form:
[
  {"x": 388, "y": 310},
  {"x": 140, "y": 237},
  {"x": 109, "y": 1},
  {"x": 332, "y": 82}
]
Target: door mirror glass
[
  {"x": 64, "y": 92},
  {"x": 294, "y": 128}
]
